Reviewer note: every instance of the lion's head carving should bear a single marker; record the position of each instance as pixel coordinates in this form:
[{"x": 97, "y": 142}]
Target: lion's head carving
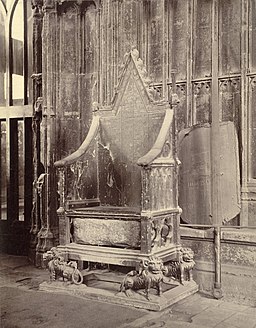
[
  {"x": 153, "y": 265},
  {"x": 187, "y": 255}
]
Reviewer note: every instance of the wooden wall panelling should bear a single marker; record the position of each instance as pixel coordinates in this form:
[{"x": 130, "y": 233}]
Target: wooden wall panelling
[
  {"x": 122, "y": 28},
  {"x": 109, "y": 57},
  {"x": 230, "y": 108},
  {"x": 215, "y": 119},
  {"x": 166, "y": 49},
  {"x": 98, "y": 52},
  {"x": 189, "y": 40},
  {"x": 178, "y": 34},
  {"x": 156, "y": 32},
  {"x": 103, "y": 50},
  {"x": 69, "y": 59},
  {"x": 88, "y": 77},
  {"x": 251, "y": 82},
  {"x": 115, "y": 44},
  {"x": 140, "y": 29},
  {"x": 144, "y": 53},
  {"x": 108, "y": 44},
  {"x": 252, "y": 35},
  {"x": 202, "y": 40},
  {"x": 181, "y": 109},
  {"x": 129, "y": 25},
  {"x": 230, "y": 36}
]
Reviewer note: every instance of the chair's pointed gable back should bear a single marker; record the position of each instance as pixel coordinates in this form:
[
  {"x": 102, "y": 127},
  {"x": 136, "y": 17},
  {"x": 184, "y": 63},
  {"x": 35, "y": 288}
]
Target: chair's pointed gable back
[{"x": 129, "y": 128}]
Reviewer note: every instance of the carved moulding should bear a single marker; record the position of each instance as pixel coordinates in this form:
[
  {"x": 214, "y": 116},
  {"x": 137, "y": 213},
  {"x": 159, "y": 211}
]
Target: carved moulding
[
  {"x": 162, "y": 231},
  {"x": 201, "y": 102}
]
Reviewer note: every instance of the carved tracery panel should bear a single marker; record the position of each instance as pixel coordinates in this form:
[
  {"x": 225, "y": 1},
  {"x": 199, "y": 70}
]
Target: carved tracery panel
[
  {"x": 201, "y": 102},
  {"x": 230, "y": 100}
]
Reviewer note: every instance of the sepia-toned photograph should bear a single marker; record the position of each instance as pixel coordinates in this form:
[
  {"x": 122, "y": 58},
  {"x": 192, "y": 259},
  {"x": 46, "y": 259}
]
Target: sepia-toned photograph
[{"x": 128, "y": 163}]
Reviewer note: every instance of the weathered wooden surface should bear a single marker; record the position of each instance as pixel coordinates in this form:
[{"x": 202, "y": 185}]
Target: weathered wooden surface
[
  {"x": 115, "y": 255},
  {"x": 127, "y": 133}
]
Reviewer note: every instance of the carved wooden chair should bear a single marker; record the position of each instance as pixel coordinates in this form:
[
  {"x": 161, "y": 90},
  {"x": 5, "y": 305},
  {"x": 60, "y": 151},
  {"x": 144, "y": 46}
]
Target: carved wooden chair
[{"x": 118, "y": 191}]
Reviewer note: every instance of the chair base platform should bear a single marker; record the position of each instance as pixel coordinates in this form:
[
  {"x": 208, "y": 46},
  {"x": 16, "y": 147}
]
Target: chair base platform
[
  {"x": 104, "y": 285},
  {"x": 116, "y": 256}
]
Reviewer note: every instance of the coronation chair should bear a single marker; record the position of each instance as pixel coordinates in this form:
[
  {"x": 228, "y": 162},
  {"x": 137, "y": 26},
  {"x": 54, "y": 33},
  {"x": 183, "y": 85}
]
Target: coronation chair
[{"x": 118, "y": 199}]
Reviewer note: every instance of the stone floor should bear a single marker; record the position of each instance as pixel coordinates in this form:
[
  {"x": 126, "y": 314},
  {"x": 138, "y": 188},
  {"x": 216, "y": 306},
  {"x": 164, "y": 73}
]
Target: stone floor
[{"x": 22, "y": 305}]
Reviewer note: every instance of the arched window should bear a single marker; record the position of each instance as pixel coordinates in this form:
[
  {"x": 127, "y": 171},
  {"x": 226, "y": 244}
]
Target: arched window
[
  {"x": 15, "y": 52},
  {"x": 15, "y": 110}
]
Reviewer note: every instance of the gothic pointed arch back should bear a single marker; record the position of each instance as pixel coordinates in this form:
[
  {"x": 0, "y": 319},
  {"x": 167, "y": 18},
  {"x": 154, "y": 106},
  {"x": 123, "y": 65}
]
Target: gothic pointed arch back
[{"x": 129, "y": 129}]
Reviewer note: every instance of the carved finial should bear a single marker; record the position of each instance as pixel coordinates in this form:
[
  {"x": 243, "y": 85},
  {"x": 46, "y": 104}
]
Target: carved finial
[{"x": 153, "y": 93}]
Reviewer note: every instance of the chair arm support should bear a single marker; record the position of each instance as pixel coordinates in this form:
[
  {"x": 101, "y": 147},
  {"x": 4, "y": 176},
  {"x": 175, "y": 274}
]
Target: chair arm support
[
  {"x": 157, "y": 148},
  {"x": 70, "y": 159}
]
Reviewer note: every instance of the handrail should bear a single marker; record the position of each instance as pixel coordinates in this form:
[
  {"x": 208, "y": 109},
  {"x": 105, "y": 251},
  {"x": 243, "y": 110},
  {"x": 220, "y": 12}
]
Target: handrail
[
  {"x": 70, "y": 159},
  {"x": 158, "y": 145}
]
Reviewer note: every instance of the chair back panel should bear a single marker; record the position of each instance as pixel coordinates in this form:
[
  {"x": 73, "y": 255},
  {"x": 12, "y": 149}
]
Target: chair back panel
[{"x": 128, "y": 131}]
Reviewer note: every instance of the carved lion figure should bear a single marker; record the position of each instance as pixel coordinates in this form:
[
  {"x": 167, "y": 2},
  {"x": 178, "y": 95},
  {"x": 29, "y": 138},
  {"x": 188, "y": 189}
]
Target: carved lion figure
[
  {"x": 59, "y": 268},
  {"x": 182, "y": 269},
  {"x": 150, "y": 275}
]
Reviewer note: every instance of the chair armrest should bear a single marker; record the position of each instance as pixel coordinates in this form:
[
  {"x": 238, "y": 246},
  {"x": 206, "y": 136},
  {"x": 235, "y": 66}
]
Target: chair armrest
[
  {"x": 157, "y": 148},
  {"x": 72, "y": 158}
]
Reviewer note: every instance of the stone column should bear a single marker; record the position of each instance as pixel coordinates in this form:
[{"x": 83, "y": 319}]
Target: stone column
[
  {"x": 37, "y": 105},
  {"x": 47, "y": 236}
]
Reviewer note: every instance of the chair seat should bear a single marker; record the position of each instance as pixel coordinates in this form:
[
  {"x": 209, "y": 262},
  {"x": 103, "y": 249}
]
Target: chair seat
[{"x": 110, "y": 209}]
